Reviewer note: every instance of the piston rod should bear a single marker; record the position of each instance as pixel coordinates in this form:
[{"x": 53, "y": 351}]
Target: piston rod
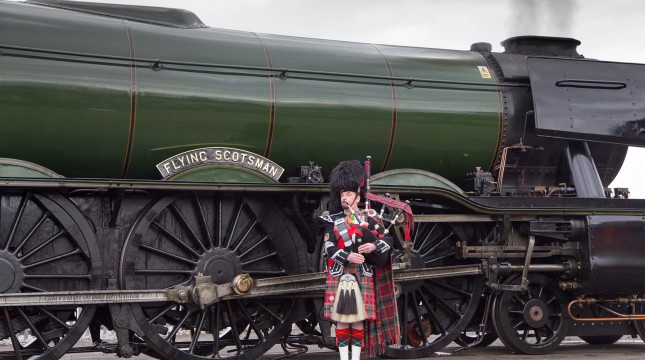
[{"x": 203, "y": 292}]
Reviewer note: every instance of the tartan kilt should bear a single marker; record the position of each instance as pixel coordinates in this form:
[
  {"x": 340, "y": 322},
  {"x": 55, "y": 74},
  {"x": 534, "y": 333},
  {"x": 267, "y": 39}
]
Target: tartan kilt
[{"x": 366, "y": 284}]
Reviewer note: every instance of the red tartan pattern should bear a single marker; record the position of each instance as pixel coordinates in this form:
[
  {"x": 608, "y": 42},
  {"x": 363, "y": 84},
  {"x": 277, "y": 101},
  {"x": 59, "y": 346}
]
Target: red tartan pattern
[
  {"x": 384, "y": 331},
  {"x": 366, "y": 284}
]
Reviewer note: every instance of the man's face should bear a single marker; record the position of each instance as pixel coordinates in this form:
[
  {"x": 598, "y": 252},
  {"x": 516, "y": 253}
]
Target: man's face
[{"x": 349, "y": 199}]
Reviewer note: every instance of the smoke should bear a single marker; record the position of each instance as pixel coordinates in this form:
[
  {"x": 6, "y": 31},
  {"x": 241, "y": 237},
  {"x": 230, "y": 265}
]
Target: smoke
[{"x": 543, "y": 17}]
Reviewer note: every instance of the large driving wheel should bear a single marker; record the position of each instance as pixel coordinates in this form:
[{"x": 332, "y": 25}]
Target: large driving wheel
[
  {"x": 222, "y": 236},
  {"x": 433, "y": 313},
  {"x": 45, "y": 245},
  {"x": 534, "y": 321}
]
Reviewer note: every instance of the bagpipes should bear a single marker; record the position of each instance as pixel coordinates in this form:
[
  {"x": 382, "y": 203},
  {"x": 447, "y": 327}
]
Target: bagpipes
[
  {"x": 380, "y": 228},
  {"x": 399, "y": 206}
]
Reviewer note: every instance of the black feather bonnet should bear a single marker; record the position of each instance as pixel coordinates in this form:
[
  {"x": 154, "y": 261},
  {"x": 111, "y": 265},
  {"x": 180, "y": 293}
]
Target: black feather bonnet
[{"x": 347, "y": 176}]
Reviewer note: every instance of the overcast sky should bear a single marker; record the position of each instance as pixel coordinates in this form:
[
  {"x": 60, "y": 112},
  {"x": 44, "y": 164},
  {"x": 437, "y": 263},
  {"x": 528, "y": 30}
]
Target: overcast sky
[{"x": 608, "y": 30}]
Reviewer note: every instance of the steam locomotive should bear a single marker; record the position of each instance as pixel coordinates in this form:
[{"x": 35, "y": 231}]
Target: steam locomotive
[{"x": 165, "y": 179}]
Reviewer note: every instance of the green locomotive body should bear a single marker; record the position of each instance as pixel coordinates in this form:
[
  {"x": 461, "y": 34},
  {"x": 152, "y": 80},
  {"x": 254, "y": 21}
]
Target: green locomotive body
[{"x": 87, "y": 90}]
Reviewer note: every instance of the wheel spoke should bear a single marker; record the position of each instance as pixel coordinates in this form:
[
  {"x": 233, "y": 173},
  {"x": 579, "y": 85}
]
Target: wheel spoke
[
  {"x": 540, "y": 291},
  {"x": 167, "y": 254},
  {"x": 244, "y": 236},
  {"x": 12, "y": 334},
  {"x": 186, "y": 225},
  {"x": 254, "y": 326},
  {"x": 434, "y": 246},
  {"x": 404, "y": 320},
  {"x": 202, "y": 219},
  {"x": 266, "y": 272},
  {"x": 450, "y": 288},
  {"x": 54, "y": 258},
  {"x": 219, "y": 221},
  {"x": 552, "y": 299},
  {"x": 520, "y": 323},
  {"x": 231, "y": 320},
  {"x": 32, "y": 288},
  {"x": 41, "y": 246},
  {"x": 433, "y": 315},
  {"x": 441, "y": 301},
  {"x": 162, "y": 313},
  {"x": 33, "y": 328},
  {"x": 33, "y": 230},
  {"x": 175, "y": 239},
  {"x": 233, "y": 226},
  {"x": 197, "y": 332},
  {"x": 519, "y": 301},
  {"x": 178, "y": 326},
  {"x": 257, "y": 243},
  {"x": 259, "y": 258},
  {"x": 266, "y": 309},
  {"x": 16, "y": 220},
  {"x": 438, "y": 257},
  {"x": 59, "y": 276},
  {"x": 215, "y": 330},
  {"x": 425, "y": 235},
  {"x": 163, "y": 271},
  {"x": 53, "y": 317},
  {"x": 415, "y": 307}
]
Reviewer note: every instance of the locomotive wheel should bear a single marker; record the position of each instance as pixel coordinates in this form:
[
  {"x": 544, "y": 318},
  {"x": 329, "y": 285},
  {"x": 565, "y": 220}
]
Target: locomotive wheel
[
  {"x": 531, "y": 322},
  {"x": 434, "y": 312},
  {"x": 45, "y": 245},
  {"x": 222, "y": 236}
]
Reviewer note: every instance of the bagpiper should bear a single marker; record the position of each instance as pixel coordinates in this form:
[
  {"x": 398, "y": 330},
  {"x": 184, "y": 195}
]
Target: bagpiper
[{"x": 360, "y": 294}]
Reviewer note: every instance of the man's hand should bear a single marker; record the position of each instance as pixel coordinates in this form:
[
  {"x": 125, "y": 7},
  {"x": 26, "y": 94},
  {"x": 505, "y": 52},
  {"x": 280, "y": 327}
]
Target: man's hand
[
  {"x": 356, "y": 258},
  {"x": 366, "y": 248}
]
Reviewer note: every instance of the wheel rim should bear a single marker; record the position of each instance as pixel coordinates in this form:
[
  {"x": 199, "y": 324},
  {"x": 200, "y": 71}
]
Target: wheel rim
[
  {"x": 46, "y": 245},
  {"x": 221, "y": 236},
  {"x": 470, "y": 335},
  {"x": 531, "y": 322},
  {"x": 443, "y": 307}
]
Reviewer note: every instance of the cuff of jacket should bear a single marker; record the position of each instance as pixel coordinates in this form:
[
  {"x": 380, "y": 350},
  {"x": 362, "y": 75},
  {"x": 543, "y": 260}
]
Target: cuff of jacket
[
  {"x": 382, "y": 246},
  {"x": 340, "y": 257}
]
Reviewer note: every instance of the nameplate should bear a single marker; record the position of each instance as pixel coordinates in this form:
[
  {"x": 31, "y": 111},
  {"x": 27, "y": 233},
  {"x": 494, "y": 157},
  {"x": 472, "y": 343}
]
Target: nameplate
[{"x": 219, "y": 156}]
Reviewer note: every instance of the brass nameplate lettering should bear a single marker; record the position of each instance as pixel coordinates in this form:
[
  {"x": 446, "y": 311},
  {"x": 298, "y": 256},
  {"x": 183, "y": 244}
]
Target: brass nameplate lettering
[{"x": 219, "y": 156}]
